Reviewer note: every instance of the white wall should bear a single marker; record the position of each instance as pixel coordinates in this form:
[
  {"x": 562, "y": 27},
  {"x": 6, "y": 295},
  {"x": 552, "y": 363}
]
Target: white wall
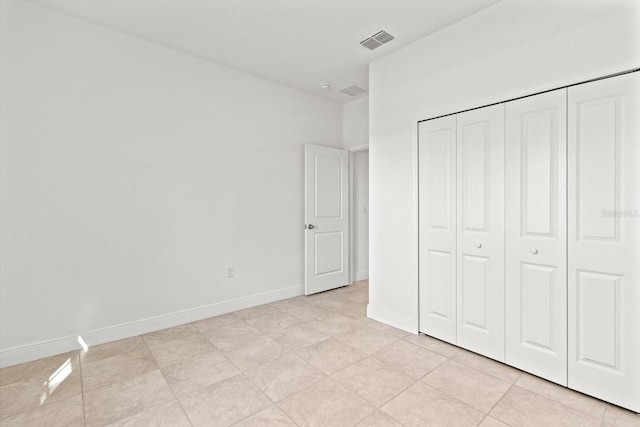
[
  {"x": 132, "y": 177},
  {"x": 355, "y": 119},
  {"x": 361, "y": 214},
  {"x": 512, "y": 48}
]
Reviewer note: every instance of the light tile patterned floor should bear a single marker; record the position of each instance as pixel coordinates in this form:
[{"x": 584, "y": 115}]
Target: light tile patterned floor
[{"x": 306, "y": 361}]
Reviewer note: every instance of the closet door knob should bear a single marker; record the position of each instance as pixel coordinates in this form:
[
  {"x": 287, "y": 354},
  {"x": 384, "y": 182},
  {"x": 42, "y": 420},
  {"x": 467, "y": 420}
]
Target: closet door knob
[
  {"x": 534, "y": 251},
  {"x": 478, "y": 245}
]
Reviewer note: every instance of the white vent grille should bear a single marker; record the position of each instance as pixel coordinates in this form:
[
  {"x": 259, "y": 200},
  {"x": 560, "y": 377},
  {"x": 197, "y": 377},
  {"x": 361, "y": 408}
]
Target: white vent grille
[
  {"x": 370, "y": 43},
  {"x": 377, "y": 40},
  {"x": 382, "y": 37},
  {"x": 352, "y": 90}
]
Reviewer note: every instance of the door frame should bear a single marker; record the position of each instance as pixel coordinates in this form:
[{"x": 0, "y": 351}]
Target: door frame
[{"x": 351, "y": 151}]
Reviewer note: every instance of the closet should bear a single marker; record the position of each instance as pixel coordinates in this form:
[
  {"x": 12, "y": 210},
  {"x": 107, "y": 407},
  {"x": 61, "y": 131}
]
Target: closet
[
  {"x": 536, "y": 236},
  {"x": 529, "y": 234},
  {"x": 604, "y": 239},
  {"x": 463, "y": 232}
]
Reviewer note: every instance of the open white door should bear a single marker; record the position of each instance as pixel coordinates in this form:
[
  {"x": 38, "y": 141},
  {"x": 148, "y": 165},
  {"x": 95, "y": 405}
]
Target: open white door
[{"x": 326, "y": 219}]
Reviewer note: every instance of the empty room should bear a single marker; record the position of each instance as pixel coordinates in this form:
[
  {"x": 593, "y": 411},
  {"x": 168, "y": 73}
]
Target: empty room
[{"x": 320, "y": 213}]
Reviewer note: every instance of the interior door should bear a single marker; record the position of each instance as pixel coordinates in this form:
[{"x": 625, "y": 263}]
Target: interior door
[
  {"x": 536, "y": 243},
  {"x": 480, "y": 236},
  {"x": 326, "y": 219},
  {"x": 437, "y": 227},
  {"x": 604, "y": 239}
]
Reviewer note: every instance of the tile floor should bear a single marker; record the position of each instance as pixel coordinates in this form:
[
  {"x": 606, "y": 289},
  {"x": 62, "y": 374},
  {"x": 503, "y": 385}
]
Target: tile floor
[{"x": 305, "y": 361}]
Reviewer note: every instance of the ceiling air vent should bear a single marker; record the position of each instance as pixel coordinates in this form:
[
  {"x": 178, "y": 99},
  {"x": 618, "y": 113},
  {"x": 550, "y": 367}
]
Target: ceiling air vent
[
  {"x": 377, "y": 40},
  {"x": 382, "y": 37},
  {"x": 353, "y": 90},
  {"x": 370, "y": 43}
]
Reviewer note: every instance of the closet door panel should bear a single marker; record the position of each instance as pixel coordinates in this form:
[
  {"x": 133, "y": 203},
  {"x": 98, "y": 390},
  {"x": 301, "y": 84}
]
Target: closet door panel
[
  {"x": 538, "y": 306},
  {"x": 437, "y": 224},
  {"x": 535, "y": 262},
  {"x": 480, "y": 235},
  {"x": 604, "y": 239}
]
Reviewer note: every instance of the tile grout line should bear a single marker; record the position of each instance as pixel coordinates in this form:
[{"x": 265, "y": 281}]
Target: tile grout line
[
  {"x": 391, "y": 416},
  {"x": 119, "y": 380},
  {"x": 241, "y": 372},
  {"x": 555, "y": 401},
  {"x": 115, "y": 382},
  {"x": 419, "y": 380},
  {"x": 284, "y": 412},
  {"x": 575, "y": 392},
  {"x": 165, "y": 380},
  {"x": 379, "y": 408},
  {"x": 502, "y": 364},
  {"x": 326, "y": 376},
  {"x": 500, "y": 400},
  {"x": 41, "y": 405},
  {"x": 84, "y": 411},
  {"x": 527, "y": 389},
  {"x": 113, "y": 355},
  {"x": 459, "y": 400},
  {"x": 414, "y": 381}
]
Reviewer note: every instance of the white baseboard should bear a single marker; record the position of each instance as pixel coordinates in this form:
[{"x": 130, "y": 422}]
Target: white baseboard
[
  {"x": 29, "y": 352},
  {"x": 391, "y": 319},
  {"x": 361, "y": 275}
]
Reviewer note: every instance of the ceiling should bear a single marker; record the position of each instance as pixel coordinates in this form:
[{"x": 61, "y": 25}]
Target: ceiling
[{"x": 298, "y": 43}]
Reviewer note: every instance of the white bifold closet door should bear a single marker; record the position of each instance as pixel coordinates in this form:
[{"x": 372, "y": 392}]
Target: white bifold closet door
[
  {"x": 536, "y": 245},
  {"x": 437, "y": 235},
  {"x": 604, "y": 239},
  {"x": 480, "y": 235}
]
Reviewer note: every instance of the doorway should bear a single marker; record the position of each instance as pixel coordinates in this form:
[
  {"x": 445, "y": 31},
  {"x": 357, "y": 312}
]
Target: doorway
[
  {"x": 359, "y": 214},
  {"x": 336, "y": 217}
]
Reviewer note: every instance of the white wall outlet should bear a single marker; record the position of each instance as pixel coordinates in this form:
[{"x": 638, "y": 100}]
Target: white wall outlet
[{"x": 231, "y": 273}]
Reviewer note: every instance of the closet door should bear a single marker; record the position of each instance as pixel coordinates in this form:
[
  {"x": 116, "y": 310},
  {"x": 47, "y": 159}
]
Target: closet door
[
  {"x": 437, "y": 224},
  {"x": 480, "y": 248},
  {"x": 604, "y": 239},
  {"x": 536, "y": 244}
]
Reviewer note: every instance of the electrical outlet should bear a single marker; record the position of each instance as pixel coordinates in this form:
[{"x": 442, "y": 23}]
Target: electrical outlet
[{"x": 231, "y": 273}]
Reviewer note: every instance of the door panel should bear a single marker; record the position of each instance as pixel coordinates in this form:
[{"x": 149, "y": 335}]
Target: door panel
[
  {"x": 604, "y": 239},
  {"x": 537, "y": 307},
  {"x": 474, "y": 277},
  {"x": 440, "y": 150},
  {"x": 437, "y": 210},
  {"x": 539, "y": 169},
  {"x": 597, "y": 167},
  {"x": 328, "y": 189},
  {"x": 439, "y": 291},
  {"x": 326, "y": 218},
  {"x": 535, "y": 262},
  {"x": 480, "y": 231},
  {"x": 329, "y": 244},
  {"x": 597, "y": 319},
  {"x": 475, "y": 150}
]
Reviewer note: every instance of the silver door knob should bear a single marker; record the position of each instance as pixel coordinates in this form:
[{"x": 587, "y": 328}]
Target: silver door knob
[
  {"x": 311, "y": 226},
  {"x": 478, "y": 245},
  {"x": 534, "y": 251}
]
